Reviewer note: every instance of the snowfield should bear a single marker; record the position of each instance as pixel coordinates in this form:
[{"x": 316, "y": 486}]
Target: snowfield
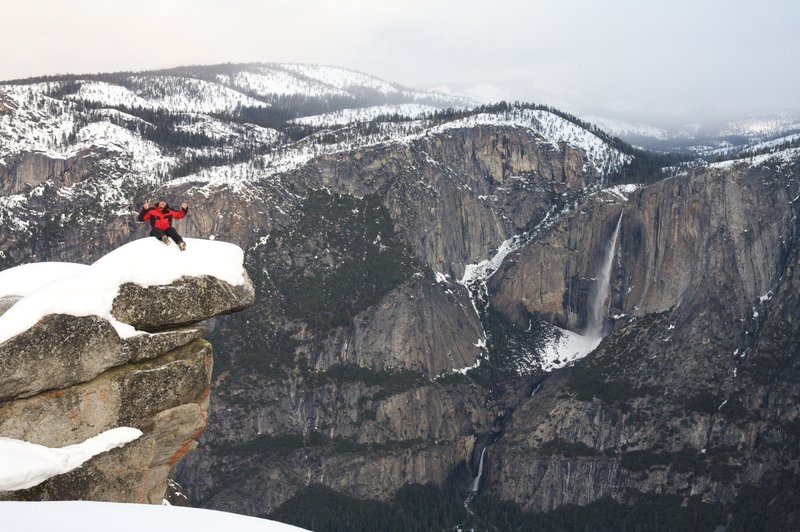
[
  {"x": 24, "y": 465},
  {"x": 86, "y": 516},
  {"x": 340, "y": 78},
  {"x": 365, "y": 114}
]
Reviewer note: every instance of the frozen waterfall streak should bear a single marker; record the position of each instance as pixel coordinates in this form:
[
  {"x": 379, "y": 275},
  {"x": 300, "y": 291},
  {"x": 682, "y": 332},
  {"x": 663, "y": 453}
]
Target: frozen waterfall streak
[
  {"x": 476, "y": 482},
  {"x": 600, "y": 293}
]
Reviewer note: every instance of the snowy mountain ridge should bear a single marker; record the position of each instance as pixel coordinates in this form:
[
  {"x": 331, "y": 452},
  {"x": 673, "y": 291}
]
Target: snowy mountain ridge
[
  {"x": 551, "y": 127},
  {"x": 68, "y": 119},
  {"x": 236, "y": 125},
  {"x": 709, "y": 142}
]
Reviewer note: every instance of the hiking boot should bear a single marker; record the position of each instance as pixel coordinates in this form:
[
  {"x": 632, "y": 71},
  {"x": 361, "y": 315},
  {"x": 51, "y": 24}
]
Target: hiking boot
[
  {"x": 165, "y": 239},
  {"x": 182, "y": 245}
]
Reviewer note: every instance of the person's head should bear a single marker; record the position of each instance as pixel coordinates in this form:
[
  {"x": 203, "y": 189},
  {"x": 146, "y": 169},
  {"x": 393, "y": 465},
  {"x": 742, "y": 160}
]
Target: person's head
[{"x": 162, "y": 203}]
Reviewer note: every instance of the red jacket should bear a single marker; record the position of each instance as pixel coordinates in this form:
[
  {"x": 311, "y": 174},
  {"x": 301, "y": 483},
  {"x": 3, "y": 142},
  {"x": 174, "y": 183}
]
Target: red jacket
[{"x": 161, "y": 218}]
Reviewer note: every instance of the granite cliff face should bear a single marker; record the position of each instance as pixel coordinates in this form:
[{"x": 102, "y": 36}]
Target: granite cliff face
[
  {"x": 68, "y": 378},
  {"x": 684, "y": 396},
  {"x": 370, "y": 404},
  {"x": 456, "y": 195},
  {"x": 716, "y": 227}
]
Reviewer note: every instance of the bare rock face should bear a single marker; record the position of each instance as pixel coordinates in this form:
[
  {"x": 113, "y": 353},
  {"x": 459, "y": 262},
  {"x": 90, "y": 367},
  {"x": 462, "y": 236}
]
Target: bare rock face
[
  {"x": 58, "y": 351},
  {"x": 421, "y": 326},
  {"x": 553, "y": 276},
  {"x": 720, "y": 227},
  {"x": 454, "y": 198},
  {"x": 165, "y": 397},
  {"x": 31, "y": 169},
  {"x": 678, "y": 237},
  {"x": 69, "y": 378},
  {"x": 178, "y": 304}
]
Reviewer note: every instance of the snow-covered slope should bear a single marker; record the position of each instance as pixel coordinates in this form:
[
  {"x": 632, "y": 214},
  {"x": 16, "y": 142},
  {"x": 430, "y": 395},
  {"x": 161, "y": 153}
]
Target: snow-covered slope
[
  {"x": 762, "y": 127},
  {"x": 30, "y": 121},
  {"x": 24, "y": 465},
  {"x": 341, "y": 78},
  {"x": 86, "y": 516},
  {"x": 365, "y": 114}
]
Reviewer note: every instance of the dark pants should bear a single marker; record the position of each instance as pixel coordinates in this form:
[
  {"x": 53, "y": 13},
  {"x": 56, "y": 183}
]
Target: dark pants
[{"x": 171, "y": 232}]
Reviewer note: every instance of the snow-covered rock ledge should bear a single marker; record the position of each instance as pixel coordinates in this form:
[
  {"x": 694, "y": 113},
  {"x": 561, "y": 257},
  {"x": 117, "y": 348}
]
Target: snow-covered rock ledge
[
  {"x": 80, "y": 321},
  {"x": 87, "y": 349}
]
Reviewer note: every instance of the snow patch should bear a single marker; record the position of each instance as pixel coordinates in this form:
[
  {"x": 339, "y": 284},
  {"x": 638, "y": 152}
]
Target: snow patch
[
  {"x": 25, "y": 279},
  {"x": 24, "y": 465},
  {"x": 365, "y": 114},
  {"x": 91, "y": 516},
  {"x": 622, "y": 191},
  {"x": 565, "y": 348}
]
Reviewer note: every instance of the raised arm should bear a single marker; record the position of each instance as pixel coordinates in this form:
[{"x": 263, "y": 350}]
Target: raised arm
[
  {"x": 181, "y": 213},
  {"x": 143, "y": 214}
]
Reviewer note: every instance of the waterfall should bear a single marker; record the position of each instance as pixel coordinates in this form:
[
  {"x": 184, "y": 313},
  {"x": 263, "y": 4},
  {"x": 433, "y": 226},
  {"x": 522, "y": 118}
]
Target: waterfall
[
  {"x": 598, "y": 300},
  {"x": 476, "y": 482}
]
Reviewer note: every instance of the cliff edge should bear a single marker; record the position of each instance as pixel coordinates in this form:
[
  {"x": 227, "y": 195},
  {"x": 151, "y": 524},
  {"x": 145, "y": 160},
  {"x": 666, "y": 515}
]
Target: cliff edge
[{"x": 84, "y": 349}]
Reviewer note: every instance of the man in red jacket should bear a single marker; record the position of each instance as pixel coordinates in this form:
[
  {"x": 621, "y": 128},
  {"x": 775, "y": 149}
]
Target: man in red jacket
[{"x": 160, "y": 217}]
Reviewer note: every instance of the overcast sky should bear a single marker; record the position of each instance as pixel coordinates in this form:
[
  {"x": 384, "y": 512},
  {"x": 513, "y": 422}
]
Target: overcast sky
[{"x": 658, "y": 61}]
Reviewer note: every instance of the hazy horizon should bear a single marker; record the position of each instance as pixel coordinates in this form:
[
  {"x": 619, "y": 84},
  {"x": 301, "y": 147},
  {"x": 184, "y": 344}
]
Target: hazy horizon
[{"x": 657, "y": 64}]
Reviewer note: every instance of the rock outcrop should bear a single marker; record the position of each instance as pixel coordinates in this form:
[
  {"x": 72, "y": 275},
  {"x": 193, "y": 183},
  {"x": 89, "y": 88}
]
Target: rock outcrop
[
  {"x": 67, "y": 378},
  {"x": 422, "y": 326}
]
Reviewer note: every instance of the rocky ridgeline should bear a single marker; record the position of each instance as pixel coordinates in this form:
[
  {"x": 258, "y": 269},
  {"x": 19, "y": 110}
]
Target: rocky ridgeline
[{"x": 68, "y": 377}]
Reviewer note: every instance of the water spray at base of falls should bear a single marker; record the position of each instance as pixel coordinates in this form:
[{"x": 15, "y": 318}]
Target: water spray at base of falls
[{"x": 599, "y": 300}]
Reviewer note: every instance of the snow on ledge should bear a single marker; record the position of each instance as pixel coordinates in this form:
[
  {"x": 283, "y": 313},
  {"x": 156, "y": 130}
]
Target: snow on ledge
[
  {"x": 24, "y": 465},
  {"x": 91, "y": 516},
  {"x": 91, "y": 291},
  {"x": 26, "y": 279}
]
